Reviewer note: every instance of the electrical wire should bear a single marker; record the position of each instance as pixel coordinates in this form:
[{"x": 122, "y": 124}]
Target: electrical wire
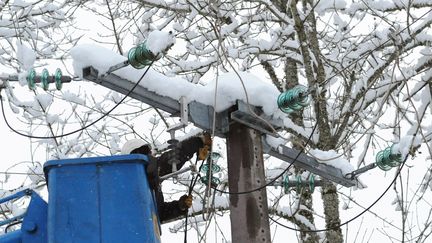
[
  {"x": 191, "y": 186},
  {"x": 280, "y": 175},
  {"x": 83, "y": 128},
  {"x": 6, "y": 230},
  {"x": 352, "y": 219}
]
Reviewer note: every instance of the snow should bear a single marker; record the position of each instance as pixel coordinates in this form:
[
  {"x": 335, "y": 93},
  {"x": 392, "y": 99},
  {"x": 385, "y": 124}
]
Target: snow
[
  {"x": 158, "y": 41},
  {"x": 52, "y": 118},
  {"x": 290, "y": 211},
  {"x": 44, "y": 100},
  {"x": 332, "y": 158},
  {"x": 71, "y": 97},
  {"x": 219, "y": 202},
  {"x": 20, "y": 4},
  {"x": 274, "y": 142},
  {"x": 230, "y": 85},
  {"x": 322, "y": 6},
  {"x": 25, "y": 55},
  {"x": 99, "y": 57}
]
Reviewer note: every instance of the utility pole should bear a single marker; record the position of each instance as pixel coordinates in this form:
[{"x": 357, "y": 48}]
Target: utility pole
[{"x": 248, "y": 211}]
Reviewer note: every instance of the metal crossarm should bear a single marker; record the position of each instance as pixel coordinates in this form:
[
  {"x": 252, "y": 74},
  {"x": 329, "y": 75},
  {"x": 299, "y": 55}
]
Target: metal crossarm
[
  {"x": 310, "y": 164},
  {"x": 199, "y": 114},
  {"x": 202, "y": 116}
]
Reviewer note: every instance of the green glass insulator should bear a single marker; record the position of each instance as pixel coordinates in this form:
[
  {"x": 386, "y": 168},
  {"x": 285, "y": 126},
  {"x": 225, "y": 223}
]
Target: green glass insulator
[
  {"x": 286, "y": 184},
  {"x": 215, "y": 156},
  {"x": 395, "y": 160},
  {"x": 31, "y": 79},
  {"x": 145, "y": 55},
  {"x": 215, "y": 181},
  {"x": 57, "y": 79},
  {"x": 386, "y": 159},
  {"x": 140, "y": 56},
  {"x": 380, "y": 161},
  {"x": 298, "y": 183},
  {"x": 215, "y": 168},
  {"x": 294, "y": 99},
  {"x": 44, "y": 79},
  {"x": 312, "y": 183},
  {"x": 133, "y": 61}
]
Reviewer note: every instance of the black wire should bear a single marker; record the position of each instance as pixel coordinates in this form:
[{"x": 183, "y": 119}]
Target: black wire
[
  {"x": 352, "y": 219},
  {"x": 6, "y": 230},
  {"x": 281, "y": 174},
  {"x": 191, "y": 186},
  {"x": 83, "y": 128}
]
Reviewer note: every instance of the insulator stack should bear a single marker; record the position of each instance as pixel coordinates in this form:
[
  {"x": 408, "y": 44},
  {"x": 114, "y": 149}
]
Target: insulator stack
[
  {"x": 45, "y": 79},
  {"x": 214, "y": 156},
  {"x": 293, "y": 99},
  {"x": 140, "y": 56},
  {"x": 298, "y": 183},
  {"x": 206, "y": 167},
  {"x": 387, "y": 159},
  {"x": 175, "y": 153},
  {"x": 214, "y": 183}
]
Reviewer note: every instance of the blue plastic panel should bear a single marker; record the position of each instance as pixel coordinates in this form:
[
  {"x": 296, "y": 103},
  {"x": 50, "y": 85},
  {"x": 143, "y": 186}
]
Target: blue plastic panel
[
  {"x": 33, "y": 227},
  {"x": 12, "y": 237},
  {"x": 101, "y": 199}
]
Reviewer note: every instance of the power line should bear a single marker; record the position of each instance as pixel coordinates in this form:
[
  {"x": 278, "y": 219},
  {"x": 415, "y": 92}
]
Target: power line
[
  {"x": 352, "y": 219},
  {"x": 83, "y": 128}
]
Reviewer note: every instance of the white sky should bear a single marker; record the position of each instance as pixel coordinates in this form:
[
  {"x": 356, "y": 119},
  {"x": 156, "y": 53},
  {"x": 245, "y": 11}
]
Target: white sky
[{"x": 15, "y": 149}]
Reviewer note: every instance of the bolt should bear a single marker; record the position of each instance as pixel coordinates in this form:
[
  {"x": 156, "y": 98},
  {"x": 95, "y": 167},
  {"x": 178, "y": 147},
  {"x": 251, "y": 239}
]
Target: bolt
[{"x": 29, "y": 227}]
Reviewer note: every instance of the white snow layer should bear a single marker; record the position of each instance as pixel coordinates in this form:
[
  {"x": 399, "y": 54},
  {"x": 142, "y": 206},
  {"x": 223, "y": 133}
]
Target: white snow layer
[
  {"x": 25, "y": 55},
  {"x": 334, "y": 159},
  {"x": 158, "y": 41},
  {"x": 229, "y": 85}
]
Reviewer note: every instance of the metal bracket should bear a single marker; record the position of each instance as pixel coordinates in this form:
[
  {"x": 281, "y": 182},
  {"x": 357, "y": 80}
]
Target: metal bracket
[
  {"x": 357, "y": 172},
  {"x": 244, "y": 115},
  {"x": 191, "y": 168},
  {"x": 116, "y": 67},
  {"x": 184, "y": 112},
  {"x": 310, "y": 164}
]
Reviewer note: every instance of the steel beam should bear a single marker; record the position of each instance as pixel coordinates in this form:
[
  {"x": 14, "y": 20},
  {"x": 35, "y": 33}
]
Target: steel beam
[
  {"x": 310, "y": 164},
  {"x": 199, "y": 114}
]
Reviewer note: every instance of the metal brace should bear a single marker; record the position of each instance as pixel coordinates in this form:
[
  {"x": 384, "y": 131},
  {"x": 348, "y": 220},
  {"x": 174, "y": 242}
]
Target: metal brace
[
  {"x": 191, "y": 168},
  {"x": 355, "y": 173}
]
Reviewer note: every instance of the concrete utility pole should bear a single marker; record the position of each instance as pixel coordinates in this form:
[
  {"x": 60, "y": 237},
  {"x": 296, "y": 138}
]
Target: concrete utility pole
[{"x": 248, "y": 211}]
